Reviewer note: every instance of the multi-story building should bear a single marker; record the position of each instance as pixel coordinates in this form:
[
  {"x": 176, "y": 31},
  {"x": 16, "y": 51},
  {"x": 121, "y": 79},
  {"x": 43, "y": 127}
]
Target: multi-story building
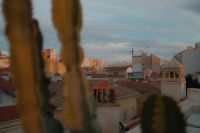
[
  {"x": 116, "y": 72},
  {"x": 146, "y": 61},
  {"x": 111, "y": 94},
  {"x": 53, "y": 63},
  {"x": 97, "y": 63},
  {"x": 49, "y": 54},
  {"x": 6, "y": 74},
  {"x": 190, "y": 58}
]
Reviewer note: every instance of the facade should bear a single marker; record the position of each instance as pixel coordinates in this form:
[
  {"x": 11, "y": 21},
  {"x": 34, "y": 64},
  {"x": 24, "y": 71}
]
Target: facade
[
  {"x": 5, "y": 73},
  {"x": 143, "y": 90},
  {"x": 190, "y": 59},
  {"x": 107, "y": 110},
  {"x": 53, "y": 67},
  {"x": 98, "y": 64},
  {"x": 49, "y": 54},
  {"x": 7, "y": 93},
  {"x": 53, "y": 64},
  {"x": 4, "y": 61},
  {"x": 116, "y": 71},
  {"x": 173, "y": 80},
  {"x": 146, "y": 62},
  {"x": 198, "y": 77},
  {"x": 126, "y": 99},
  {"x": 137, "y": 64}
]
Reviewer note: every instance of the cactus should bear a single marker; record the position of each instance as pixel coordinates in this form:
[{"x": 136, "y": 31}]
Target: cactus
[
  {"x": 28, "y": 68},
  {"x": 162, "y": 115},
  {"x": 42, "y": 79},
  {"x": 24, "y": 65},
  {"x": 51, "y": 125},
  {"x": 79, "y": 111}
]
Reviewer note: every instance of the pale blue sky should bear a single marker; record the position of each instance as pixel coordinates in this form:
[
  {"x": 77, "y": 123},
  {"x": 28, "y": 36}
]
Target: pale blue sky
[{"x": 113, "y": 27}]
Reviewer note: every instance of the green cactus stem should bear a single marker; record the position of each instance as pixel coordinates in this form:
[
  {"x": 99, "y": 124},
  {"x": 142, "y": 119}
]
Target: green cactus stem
[
  {"x": 79, "y": 112},
  {"x": 162, "y": 115},
  {"x": 18, "y": 18}
]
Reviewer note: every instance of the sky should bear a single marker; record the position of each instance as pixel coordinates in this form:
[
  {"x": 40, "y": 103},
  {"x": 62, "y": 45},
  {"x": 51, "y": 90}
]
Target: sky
[{"x": 112, "y": 28}]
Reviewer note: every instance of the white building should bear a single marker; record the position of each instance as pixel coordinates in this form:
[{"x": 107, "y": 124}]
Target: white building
[
  {"x": 146, "y": 61},
  {"x": 5, "y": 73},
  {"x": 173, "y": 80},
  {"x": 98, "y": 64},
  {"x": 7, "y": 93},
  {"x": 190, "y": 59},
  {"x": 137, "y": 63}
]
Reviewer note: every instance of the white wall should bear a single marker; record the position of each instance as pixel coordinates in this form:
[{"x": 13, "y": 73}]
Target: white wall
[
  {"x": 191, "y": 60},
  {"x": 108, "y": 118},
  {"x": 198, "y": 77},
  {"x": 137, "y": 64},
  {"x": 6, "y": 100},
  {"x": 173, "y": 89}
]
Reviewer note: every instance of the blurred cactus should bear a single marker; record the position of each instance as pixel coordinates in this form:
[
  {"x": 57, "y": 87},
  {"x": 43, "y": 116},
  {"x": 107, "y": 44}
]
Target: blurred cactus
[
  {"x": 18, "y": 17},
  {"x": 28, "y": 68},
  {"x": 79, "y": 112},
  {"x": 51, "y": 125},
  {"x": 162, "y": 115},
  {"x": 41, "y": 77}
]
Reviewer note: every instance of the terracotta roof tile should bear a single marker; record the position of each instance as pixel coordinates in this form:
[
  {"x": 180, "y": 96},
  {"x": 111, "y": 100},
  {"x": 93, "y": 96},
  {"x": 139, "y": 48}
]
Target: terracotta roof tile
[
  {"x": 8, "y": 113},
  {"x": 139, "y": 86},
  {"x": 115, "y": 69},
  {"x": 5, "y": 85}
]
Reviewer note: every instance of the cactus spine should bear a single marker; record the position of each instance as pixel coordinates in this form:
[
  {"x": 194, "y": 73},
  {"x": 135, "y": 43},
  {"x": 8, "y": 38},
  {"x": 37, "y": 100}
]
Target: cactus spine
[
  {"x": 162, "y": 115},
  {"x": 79, "y": 112},
  {"x": 18, "y": 17}
]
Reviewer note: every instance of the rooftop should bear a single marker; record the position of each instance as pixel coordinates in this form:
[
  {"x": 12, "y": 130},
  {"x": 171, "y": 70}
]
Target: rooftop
[
  {"x": 8, "y": 113},
  {"x": 172, "y": 64},
  {"x": 5, "y": 85}
]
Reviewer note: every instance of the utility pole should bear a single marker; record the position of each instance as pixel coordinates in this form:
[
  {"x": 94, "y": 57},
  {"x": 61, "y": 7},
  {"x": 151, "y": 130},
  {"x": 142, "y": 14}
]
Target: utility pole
[{"x": 132, "y": 56}]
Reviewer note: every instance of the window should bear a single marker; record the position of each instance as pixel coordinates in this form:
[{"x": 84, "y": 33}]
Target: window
[
  {"x": 171, "y": 74},
  {"x": 166, "y": 75}
]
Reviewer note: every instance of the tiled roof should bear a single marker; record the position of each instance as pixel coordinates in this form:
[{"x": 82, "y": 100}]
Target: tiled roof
[
  {"x": 98, "y": 75},
  {"x": 141, "y": 87},
  {"x": 8, "y": 113},
  {"x": 121, "y": 91},
  {"x": 103, "y": 84},
  {"x": 115, "y": 69},
  {"x": 5, "y": 85},
  {"x": 172, "y": 64}
]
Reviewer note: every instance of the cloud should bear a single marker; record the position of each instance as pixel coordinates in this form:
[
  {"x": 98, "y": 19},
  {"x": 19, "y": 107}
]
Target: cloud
[
  {"x": 193, "y": 5},
  {"x": 113, "y": 27}
]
